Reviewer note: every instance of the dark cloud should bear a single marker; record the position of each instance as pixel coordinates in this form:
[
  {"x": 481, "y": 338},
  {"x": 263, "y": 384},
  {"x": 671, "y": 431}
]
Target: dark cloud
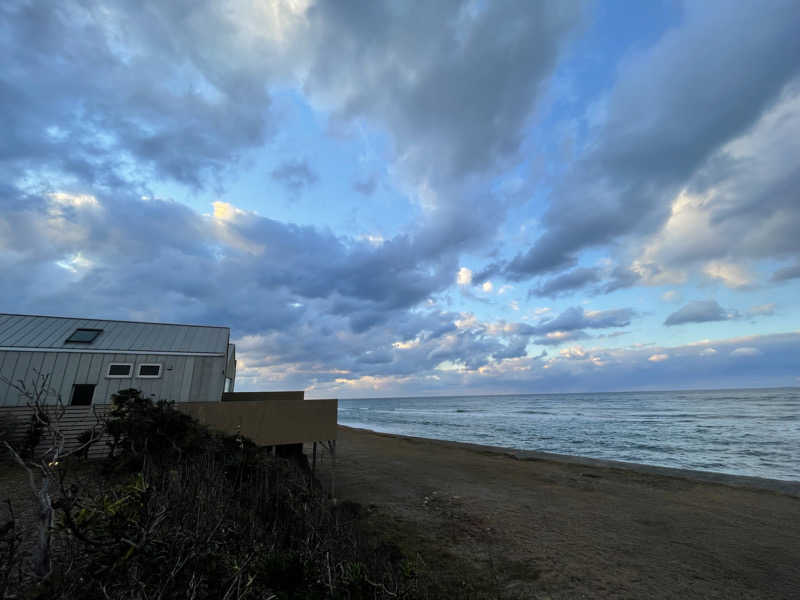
[
  {"x": 295, "y": 174},
  {"x": 366, "y": 186},
  {"x": 467, "y": 82},
  {"x": 699, "y": 311},
  {"x": 103, "y": 91},
  {"x": 621, "y": 278},
  {"x": 569, "y": 326},
  {"x": 576, "y": 317},
  {"x": 515, "y": 349},
  {"x": 672, "y": 108},
  {"x": 115, "y": 243},
  {"x": 173, "y": 105},
  {"x": 787, "y": 273},
  {"x": 567, "y": 282},
  {"x": 456, "y": 104},
  {"x": 486, "y": 273},
  {"x": 294, "y": 295}
]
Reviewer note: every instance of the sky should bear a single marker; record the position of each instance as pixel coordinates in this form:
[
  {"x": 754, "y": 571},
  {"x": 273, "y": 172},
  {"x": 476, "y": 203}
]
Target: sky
[{"x": 397, "y": 199}]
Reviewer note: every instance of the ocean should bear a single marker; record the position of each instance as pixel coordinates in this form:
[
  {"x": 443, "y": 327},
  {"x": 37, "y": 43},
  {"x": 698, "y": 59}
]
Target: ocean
[{"x": 754, "y": 432}]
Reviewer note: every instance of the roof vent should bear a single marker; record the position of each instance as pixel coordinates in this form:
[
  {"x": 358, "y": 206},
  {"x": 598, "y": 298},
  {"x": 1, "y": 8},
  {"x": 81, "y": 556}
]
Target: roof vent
[{"x": 83, "y": 336}]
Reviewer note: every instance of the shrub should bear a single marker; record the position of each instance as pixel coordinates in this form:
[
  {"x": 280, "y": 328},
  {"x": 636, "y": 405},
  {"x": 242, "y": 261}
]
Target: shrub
[{"x": 202, "y": 515}]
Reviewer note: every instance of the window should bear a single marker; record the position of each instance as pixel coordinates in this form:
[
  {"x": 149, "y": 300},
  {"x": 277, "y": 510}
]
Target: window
[
  {"x": 119, "y": 370},
  {"x": 82, "y": 394},
  {"x": 83, "y": 336},
  {"x": 149, "y": 370}
]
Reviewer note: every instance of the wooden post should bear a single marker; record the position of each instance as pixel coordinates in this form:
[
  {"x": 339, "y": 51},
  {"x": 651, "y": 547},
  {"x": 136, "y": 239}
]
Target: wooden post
[
  {"x": 314, "y": 459},
  {"x": 332, "y": 448}
]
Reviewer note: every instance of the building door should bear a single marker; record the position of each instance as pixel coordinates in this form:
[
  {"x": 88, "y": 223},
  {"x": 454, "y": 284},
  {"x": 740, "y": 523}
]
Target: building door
[{"x": 82, "y": 394}]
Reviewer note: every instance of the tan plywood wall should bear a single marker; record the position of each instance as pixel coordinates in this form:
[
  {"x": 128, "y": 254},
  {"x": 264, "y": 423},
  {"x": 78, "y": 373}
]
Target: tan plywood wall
[
  {"x": 261, "y": 396},
  {"x": 270, "y": 422}
]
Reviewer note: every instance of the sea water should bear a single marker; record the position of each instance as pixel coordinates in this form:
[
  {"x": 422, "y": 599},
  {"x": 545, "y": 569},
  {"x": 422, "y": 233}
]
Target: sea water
[{"x": 753, "y": 432}]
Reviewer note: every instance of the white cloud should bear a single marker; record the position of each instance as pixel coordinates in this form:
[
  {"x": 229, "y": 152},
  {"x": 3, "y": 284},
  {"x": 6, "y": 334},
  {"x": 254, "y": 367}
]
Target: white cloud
[
  {"x": 762, "y": 309},
  {"x": 487, "y": 286},
  {"x": 464, "y": 276},
  {"x": 746, "y": 351},
  {"x": 732, "y": 275},
  {"x": 75, "y": 263},
  {"x": 406, "y": 345},
  {"x": 671, "y": 296},
  {"x": 573, "y": 352},
  {"x": 658, "y": 357}
]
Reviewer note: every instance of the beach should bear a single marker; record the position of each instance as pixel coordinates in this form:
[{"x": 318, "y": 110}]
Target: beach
[{"x": 493, "y": 522}]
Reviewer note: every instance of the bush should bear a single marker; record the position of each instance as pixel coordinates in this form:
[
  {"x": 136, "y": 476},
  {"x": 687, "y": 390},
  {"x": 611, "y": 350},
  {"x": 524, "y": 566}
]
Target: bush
[
  {"x": 203, "y": 515},
  {"x": 141, "y": 429}
]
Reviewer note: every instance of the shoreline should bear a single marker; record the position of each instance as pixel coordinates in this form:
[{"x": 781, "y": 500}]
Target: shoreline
[
  {"x": 782, "y": 486},
  {"x": 495, "y": 522}
]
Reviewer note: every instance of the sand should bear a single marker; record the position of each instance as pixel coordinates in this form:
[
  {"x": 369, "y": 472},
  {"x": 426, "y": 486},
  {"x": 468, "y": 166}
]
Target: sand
[{"x": 489, "y": 522}]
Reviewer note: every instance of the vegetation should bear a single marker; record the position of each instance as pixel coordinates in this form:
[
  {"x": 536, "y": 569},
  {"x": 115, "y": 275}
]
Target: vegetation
[{"x": 177, "y": 511}]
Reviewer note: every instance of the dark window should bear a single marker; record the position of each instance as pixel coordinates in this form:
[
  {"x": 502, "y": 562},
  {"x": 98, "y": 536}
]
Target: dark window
[
  {"x": 149, "y": 370},
  {"x": 119, "y": 370},
  {"x": 83, "y": 336},
  {"x": 82, "y": 394}
]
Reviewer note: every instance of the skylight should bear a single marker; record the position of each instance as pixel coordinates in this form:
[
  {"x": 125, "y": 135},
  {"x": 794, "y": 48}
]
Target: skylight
[{"x": 83, "y": 336}]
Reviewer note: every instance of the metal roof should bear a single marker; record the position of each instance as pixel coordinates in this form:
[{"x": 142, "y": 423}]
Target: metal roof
[{"x": 32, "y": 331}]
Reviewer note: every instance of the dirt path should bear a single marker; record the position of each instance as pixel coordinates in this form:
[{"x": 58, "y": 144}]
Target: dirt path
[{"x": 491, "y": 525}]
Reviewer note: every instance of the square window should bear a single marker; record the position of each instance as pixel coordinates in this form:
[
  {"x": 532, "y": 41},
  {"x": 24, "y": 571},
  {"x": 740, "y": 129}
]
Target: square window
[
  {"x": 82, "y": 394},
  {"x": 83, "y": 336},
  {"x": 149, "y": 370},
  {"x": 119, "y": 370}
]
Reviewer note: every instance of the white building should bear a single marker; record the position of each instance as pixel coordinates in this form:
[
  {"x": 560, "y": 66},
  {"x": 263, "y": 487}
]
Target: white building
[{"x": 88, "y": 360}]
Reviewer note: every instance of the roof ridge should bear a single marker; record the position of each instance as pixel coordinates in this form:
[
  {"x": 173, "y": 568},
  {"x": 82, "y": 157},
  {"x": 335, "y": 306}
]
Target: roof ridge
[{"x": 114, "y": 320}]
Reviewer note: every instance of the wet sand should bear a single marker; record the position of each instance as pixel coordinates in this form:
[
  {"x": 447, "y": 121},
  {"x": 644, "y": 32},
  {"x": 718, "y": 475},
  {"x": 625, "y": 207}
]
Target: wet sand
[{"x": 493, "y": 522}]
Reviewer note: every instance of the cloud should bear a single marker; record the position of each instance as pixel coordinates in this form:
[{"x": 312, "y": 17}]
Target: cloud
[
  {"x": 673, "y": 106},
  {"x": 762, "y": 310},
  {"x": 486, "y": 273},
  {"x": 464, "y": 276},
  {"x": 470, "y": 80},
  {"x": 576, "y": 317},
  {"x": 366, "y": 186},
  {"x": 263, "y": 259},
  {"x": 304, "y": 317},
  {"x": 698, "y": 311},
  {"x": 554, "y": 338},
  {"x": 169, "y": 104},
  {"x": 671, "y": 296},
  {"x": 787, "y": 273},
  {"x": 746, "y": 351},
  {"x": 295, "y": 174},
  {"x": 732, "y": 275},
  {"x": 172, "y": 107},
  {"x": 567, "y": 282},
  {"x": 467, "y": 82},
  {"x": 621, "y": 278},
  {"x": 739, "y": 206}
]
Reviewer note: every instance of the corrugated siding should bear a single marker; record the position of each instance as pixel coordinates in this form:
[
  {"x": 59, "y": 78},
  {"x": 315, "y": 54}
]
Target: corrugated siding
[
  {"x": 74, "y": 421},
  {"x": 183, "y": 378},
  {"x": 208, "y": 379},
  {"x": 24, "y": 331}
]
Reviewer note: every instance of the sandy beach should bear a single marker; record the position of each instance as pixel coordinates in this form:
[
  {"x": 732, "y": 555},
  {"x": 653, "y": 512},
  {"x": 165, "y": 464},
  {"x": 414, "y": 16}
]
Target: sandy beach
[{"x": 491, "y": 522}]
